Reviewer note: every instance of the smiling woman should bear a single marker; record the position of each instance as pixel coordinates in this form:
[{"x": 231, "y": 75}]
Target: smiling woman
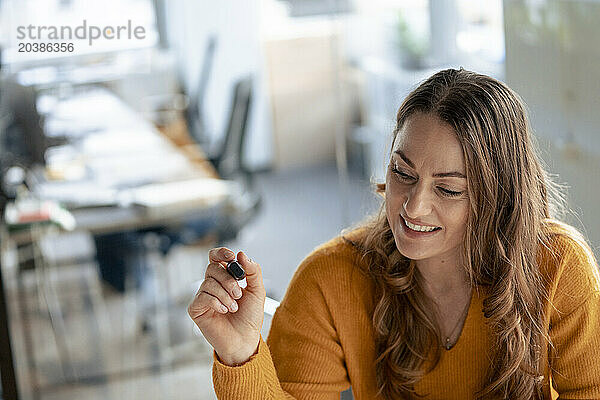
[
  {"x": 464, "y": 285},
  {"x": 427, "y": 205}
]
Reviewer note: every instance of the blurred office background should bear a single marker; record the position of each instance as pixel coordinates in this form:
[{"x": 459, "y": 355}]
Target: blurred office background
[{"x": 259, "y": 125}]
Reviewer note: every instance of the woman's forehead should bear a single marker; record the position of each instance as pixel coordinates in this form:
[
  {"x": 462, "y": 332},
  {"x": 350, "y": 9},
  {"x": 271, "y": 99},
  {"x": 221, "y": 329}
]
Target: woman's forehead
[{"x": 427, "y": 137}]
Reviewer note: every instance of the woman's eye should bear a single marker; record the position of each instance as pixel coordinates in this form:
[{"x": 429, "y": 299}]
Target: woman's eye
[
  {"x": 406, "y": 177},
  {"x": 401, "y": 174},
  {"x": 451, "y": 193}
]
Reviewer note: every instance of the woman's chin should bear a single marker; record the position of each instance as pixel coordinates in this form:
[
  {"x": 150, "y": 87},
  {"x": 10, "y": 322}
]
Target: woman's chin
[{"x": 411, "y": 251}]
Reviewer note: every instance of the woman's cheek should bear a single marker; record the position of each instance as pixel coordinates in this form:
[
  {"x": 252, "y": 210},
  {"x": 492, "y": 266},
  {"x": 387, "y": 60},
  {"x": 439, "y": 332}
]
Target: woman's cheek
[{"x": 457, "y": 216}]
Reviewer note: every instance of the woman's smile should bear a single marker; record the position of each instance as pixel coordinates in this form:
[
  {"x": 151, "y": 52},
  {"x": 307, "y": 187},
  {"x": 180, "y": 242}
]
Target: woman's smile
[{"x": 418, "y": 231}]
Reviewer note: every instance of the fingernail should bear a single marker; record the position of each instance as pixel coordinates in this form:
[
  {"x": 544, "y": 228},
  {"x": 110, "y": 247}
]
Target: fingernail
[
  {"x": 233, "y": 306},
  {"x": 224, "y": 309},
  {"x": 228, "y": 253},
  {"x": 237, "y": 292}
]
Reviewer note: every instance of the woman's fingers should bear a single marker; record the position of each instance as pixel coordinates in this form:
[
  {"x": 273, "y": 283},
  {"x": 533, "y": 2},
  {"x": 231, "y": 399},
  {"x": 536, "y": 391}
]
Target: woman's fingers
[
  {"x": 214, "y": 288},
  {"x": 253, "y": 272},
  {"x": 220, "y": 254},
  {"x": 220, "y": 274},
  {"x": 204, "y": 302},
  {"x": 219, "y": 257},
  {"x": 218, "y": 291}
]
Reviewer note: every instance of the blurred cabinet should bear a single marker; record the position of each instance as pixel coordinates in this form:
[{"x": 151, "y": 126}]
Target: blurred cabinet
[{"x": 311, "y": 94}]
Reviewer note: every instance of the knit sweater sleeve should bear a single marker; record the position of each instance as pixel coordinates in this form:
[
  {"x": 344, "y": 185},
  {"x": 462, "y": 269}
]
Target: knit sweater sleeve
[
  {"x": 575, "y": 324},
  {"x": 303, "y": 358}
]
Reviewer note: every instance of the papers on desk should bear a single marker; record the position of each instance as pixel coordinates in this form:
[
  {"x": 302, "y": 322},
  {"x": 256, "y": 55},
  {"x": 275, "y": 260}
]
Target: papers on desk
[
  {"x": 118, "y": 155},
  {"x": 123, "y": 141},
  {"x": 162, "y": 199},
  {"x": 139, "y": 169},
  {"x": 99, "y": 106},
  {"x": 76, "y": 194},
  {"x": 88, "y": 112},
  {"x": 120, "y": 160},
  {"x": 158, "y": 199}
]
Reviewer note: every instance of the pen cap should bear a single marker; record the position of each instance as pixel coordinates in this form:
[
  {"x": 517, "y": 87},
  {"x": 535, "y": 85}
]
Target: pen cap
[{"x": 235, "y": 269}]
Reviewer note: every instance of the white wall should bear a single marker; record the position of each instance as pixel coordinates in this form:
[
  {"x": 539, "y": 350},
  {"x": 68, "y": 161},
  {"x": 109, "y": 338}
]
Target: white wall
[{"x": 238, "y": 53}]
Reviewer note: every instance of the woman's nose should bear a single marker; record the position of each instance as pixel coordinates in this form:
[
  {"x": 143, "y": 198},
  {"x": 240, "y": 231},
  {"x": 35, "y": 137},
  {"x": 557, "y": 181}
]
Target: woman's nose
[{"x": 418, "y": 202}]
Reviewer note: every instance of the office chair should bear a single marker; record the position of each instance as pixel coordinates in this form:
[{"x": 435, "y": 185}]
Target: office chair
[
  {"x": 194, "y": 111},
  {"x": 229, "y": 159},
  {"x": 229, "y": 162},
  {"x": 230, "y": 165}
]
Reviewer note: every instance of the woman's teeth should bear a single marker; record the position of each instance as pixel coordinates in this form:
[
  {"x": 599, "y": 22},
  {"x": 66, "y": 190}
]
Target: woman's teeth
[{"x": 420, "y": 228}]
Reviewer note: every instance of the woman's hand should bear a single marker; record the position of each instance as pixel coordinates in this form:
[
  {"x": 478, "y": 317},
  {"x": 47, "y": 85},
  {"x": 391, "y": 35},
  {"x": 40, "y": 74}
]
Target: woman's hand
[{"x": 230, "y": 317}]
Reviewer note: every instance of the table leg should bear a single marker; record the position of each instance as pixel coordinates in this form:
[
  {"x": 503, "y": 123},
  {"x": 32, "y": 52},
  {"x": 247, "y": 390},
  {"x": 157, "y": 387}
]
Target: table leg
[{"x": 7, "y": 366}]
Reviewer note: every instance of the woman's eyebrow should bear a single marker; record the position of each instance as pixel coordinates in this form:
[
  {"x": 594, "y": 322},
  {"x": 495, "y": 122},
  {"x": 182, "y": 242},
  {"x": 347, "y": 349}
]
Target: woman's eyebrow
[
  {"x": 453, "y": 174},
  {"x": 406, "y": 159}
]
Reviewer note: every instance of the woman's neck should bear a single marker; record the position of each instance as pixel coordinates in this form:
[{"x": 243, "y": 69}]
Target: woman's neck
[{"x": 443, "y": 277}]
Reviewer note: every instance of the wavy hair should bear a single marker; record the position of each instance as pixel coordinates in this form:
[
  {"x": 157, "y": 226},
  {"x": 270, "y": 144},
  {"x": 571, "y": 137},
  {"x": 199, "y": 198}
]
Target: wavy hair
[{"x": 512, "y": 199}]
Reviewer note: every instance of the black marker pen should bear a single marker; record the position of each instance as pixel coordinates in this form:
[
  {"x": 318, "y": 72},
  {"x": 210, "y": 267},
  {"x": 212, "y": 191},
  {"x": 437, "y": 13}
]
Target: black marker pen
[{"x": 235, "y": 269}]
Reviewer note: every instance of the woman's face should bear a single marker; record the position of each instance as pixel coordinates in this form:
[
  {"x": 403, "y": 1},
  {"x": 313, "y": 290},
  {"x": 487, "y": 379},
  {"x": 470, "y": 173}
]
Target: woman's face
[{"x": 426, "y": 190}]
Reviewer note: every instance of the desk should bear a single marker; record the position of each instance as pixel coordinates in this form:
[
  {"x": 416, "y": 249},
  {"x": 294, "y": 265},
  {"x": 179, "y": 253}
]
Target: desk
[
  {"x": 118, "y": 172},
  {"x": 117, "y": 168}
]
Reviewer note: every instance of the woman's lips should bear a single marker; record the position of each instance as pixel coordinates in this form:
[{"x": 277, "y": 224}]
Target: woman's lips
[{"x": 416, "y": 234}]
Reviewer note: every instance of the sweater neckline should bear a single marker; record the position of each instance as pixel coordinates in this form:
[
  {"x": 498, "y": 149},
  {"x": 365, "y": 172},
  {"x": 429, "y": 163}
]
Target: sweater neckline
[{"x": 464, "y": 329}]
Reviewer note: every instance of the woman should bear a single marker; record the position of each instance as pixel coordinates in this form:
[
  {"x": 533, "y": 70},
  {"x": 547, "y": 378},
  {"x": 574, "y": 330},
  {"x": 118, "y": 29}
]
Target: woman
[{"x": 463, "y": 286}]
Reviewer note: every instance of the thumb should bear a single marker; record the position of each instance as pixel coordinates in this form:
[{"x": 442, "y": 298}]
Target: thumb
[{"x": 253, "y": 272}]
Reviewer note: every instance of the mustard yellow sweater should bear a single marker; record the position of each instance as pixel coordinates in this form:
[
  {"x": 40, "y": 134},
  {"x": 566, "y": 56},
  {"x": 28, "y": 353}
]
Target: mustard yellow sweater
[{"x": 321, "y": 339}]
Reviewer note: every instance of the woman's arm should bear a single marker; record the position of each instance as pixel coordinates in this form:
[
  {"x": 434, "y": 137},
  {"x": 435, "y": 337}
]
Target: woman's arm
[
  {"x": 303, "y": 359},
  {"x": 575, "y": 360},
  {"x": 575, "y": 325}
]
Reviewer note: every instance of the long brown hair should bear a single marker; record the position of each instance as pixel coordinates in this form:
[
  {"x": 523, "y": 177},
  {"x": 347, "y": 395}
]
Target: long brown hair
[{"x": 511, "y": 199}]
